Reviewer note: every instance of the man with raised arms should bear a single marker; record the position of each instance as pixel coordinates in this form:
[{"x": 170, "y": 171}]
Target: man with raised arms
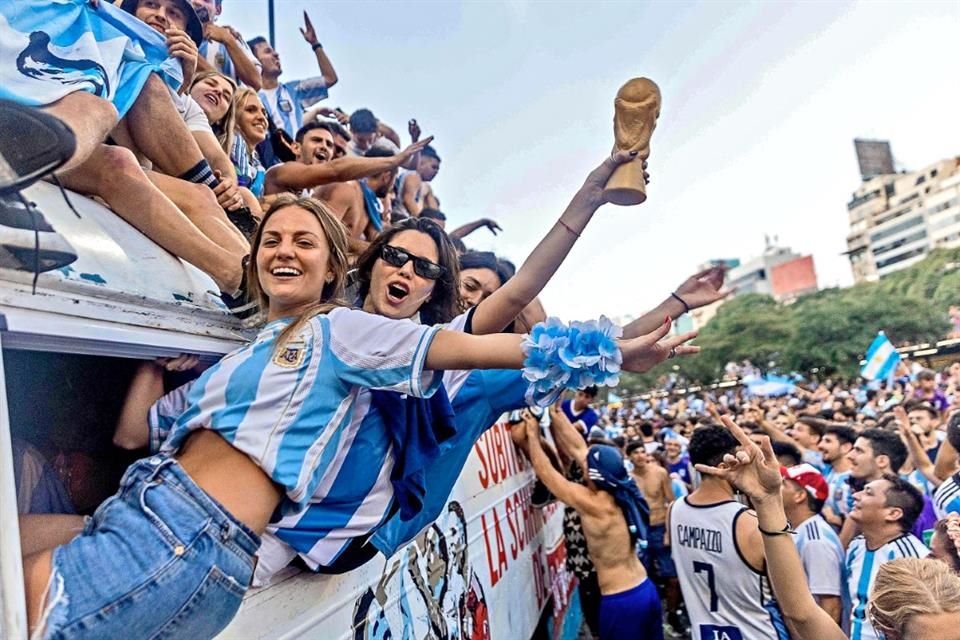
[{"x": 610, "y": 508}]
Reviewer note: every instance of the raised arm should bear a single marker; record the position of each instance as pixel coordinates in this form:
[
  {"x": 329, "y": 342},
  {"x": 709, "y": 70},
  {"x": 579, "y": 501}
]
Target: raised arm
[
  {"x": 756, "y": 472},
  {"x": 568, "y": 439},
  {"x": 146, "y": 388},
  {"x": 699, "y": 290},
  {"x": 326, "y": 67},
  {"x": 570, "y": 493},
  {"x": 245, "y": 63},
  {"x": 918, "y": 455},
  {"x": 498, "y": 310},
  {"x": 946, "y": 463}
]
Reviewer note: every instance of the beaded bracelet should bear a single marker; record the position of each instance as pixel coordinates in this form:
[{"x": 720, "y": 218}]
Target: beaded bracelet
[{"x": 578, "y": 355}]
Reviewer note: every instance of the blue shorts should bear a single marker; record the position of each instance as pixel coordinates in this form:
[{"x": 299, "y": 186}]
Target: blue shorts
[
  {"x": 632, "y": 615},
  {"x": 160, "y": 559},
  {"x": 658, "y": 556}
]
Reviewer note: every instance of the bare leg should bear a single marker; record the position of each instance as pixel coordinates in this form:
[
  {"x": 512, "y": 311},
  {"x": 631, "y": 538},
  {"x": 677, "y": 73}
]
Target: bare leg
[
  {"x": 40, "y": 531},
  {"x": 89, "y": 117},
  {"x": 157, "y": 130},
  {"x": 200, "y": 205},
  {"x": 113, "y": 174},
  {"x": 36, "y": 576}
]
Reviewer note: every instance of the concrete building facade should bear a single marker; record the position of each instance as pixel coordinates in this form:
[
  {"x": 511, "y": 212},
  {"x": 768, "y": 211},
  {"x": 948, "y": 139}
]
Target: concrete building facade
[{"x": 896, "y": 219}]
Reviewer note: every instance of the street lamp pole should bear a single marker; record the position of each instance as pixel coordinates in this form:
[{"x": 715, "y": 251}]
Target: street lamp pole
[{"x": 273, "y": 40}]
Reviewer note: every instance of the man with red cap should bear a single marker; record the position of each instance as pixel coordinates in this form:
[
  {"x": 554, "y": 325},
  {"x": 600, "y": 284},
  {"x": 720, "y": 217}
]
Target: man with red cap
[{"x": 804, "y": 492}]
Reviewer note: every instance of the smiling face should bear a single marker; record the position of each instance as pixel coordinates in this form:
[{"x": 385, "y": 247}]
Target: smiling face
[
  {"x": 477, "y": 284},
  {"x": 252, "y": 119},
  {"x": 292, "y": 261},
  {"x": 161, "y": 15},
  {"x": 398, "y": 292},
  {"x": 832, "y": 448},
  {"x": 870, "y": 505},
  {"x": 317, "y": 146},
  {"x": 214, "y": 94}
]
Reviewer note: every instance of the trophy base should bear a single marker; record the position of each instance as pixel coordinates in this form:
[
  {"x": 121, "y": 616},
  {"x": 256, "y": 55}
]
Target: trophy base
[{"x": 626, "y": 185}]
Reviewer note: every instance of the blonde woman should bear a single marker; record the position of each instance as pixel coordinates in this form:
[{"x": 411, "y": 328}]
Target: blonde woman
[
  {"x": 251, "y": 129},
  {"x": 916, "y": 599}
]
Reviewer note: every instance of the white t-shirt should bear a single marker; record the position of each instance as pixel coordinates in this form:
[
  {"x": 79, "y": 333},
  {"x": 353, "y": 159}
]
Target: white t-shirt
[{"x": 191, "y": 112}]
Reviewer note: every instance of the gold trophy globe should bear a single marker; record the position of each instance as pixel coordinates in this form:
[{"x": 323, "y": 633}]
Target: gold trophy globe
[{"x": 636, "y": 110}]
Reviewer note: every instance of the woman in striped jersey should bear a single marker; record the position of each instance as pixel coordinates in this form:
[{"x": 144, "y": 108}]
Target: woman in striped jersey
[{"x": 173, "y": 551}]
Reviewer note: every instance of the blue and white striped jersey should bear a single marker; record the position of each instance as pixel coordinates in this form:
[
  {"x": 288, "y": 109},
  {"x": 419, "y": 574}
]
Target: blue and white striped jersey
[
  {"x": 946, "y": 498},
  {"x": 862, "y": 565},
  {"x": 822, "y": 555},
  {"x": 840, "y": 499},
  {"x": 291, "y": 410},
  {"x": 287, "y": 103}
]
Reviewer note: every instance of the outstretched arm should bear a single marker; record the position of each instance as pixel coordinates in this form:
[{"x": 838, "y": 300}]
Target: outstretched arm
[
  {"x": 464, "y": 230},
  {"x": 455, "y": 350},
  {"x": 326, "y": 67},
  {"x": 498, "y": 310},
  {"x": 298, "y": 176},
  {"x": 756, "y": 472},
  {"x": 699, "y": 290}
]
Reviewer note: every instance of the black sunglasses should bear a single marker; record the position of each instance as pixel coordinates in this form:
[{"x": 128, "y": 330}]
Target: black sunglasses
[{"x": 396, "y": 257}]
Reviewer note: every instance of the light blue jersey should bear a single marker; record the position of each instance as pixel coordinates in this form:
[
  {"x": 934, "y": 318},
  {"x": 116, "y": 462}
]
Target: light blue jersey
[
  {"x": 287, "y": 103},
  {"x": 840, "y": 499},
  {"x": 862, "y": 565},
  {"x": 290, "y": 411}
]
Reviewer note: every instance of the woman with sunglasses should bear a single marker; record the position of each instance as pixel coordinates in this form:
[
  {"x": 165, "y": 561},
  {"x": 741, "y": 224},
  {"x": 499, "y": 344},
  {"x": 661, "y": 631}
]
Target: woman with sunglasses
[
  {"x": 173, "y": 552},
  {"x": 411, "y": 271}
]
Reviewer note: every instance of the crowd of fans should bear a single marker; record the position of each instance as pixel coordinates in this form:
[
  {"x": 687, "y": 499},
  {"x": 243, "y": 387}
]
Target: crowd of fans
[
  {"x": 865, "y": 465},
  {"x": 865, "y": 473}
]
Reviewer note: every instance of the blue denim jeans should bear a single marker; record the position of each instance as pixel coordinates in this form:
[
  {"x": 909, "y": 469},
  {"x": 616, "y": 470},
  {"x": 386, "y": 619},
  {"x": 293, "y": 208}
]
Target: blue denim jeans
[{"x": 160, "y": 559}]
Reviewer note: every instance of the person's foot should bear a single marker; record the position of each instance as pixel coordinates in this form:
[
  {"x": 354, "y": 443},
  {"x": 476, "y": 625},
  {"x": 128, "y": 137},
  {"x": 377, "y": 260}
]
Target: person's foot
[
  {"x": 541, "y": 496},
  {"x": 32, "y": 144},
  {"x": 27, "y": 241}
]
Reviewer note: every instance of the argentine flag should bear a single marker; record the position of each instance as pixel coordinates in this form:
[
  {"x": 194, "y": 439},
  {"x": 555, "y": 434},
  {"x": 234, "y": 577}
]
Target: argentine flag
[{"x": 882, "y": 359}]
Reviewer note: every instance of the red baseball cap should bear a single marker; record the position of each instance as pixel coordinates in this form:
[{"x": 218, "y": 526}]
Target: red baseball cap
[{"x": 808, "y": 477}]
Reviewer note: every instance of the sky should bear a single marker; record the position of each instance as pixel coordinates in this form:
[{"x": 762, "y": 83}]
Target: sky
[{"x": 761, "y": 103}]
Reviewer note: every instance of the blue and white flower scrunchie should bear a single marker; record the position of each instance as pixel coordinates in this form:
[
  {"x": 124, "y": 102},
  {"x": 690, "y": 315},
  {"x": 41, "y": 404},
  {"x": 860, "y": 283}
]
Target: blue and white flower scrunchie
[{"x": 578, "y": 355}]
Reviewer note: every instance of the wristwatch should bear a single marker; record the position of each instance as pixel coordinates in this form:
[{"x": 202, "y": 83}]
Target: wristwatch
[{"x": 316, "y": 45}]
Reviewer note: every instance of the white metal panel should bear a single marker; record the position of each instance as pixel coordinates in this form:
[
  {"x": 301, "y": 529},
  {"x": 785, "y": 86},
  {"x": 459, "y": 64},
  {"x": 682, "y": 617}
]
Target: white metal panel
[{"x": 12, "y": 601}]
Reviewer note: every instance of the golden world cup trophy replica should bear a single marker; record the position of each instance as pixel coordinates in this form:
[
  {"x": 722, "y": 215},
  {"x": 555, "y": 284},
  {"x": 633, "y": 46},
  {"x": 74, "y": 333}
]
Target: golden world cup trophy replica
[{"x": 636, "y": 110}]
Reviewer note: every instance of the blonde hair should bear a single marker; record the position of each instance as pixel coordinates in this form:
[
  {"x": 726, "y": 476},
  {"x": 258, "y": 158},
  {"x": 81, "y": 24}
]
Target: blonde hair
[
  {"x": 909, "y": 587},
  {"x": 223, "y": 129},
  {"x": 238, "y": 99},
  {"x": 338, "y": 263}
]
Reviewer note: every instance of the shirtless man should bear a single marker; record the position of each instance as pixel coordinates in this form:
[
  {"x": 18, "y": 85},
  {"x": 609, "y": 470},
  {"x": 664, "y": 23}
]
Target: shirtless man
[
  {"x": 657, "y": 488},
  {"x": 317, "y": 165},
  {"x": 609, "y": 506}
]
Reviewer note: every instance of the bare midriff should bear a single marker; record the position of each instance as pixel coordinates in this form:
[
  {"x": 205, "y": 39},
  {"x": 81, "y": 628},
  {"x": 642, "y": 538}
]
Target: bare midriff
[{"x": 231, "y": 478}]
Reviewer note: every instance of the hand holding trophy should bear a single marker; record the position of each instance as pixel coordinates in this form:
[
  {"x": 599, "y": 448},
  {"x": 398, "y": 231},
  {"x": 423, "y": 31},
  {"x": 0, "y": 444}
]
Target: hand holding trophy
[{"x": 635, "y": 115}]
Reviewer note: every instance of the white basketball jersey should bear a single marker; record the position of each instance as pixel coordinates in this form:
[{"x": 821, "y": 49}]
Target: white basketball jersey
[{"x": 725, "y": 597}]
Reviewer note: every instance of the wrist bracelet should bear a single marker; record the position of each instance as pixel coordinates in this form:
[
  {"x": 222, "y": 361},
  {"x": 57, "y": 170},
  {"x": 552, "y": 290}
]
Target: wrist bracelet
[
  {"x": 568, "y": 228},
  {"x": 578, "y": 355},
  {"x": 316, "y": 45},
  {"x": 686, "y": 307},
  {"x": 786, "y": 530}
]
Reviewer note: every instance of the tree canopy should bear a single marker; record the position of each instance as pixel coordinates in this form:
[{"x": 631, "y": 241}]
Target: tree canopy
[{"x": 829, "y": 330}]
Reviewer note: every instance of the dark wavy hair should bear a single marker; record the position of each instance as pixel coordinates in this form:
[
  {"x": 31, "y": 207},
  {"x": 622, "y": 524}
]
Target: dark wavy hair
[{"x": 444, "y": 302}]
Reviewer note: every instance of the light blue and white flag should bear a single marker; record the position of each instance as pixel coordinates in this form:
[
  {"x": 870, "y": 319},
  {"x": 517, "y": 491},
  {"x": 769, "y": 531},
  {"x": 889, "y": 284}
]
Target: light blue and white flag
[
  {"x": 52, "y": 48},
  {"x": 882, "y": 359}
]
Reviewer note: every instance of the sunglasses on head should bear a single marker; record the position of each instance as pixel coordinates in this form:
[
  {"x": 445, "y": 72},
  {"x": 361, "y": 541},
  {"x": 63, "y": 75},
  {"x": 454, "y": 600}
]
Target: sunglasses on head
[{"x": 397, "y": 257}]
